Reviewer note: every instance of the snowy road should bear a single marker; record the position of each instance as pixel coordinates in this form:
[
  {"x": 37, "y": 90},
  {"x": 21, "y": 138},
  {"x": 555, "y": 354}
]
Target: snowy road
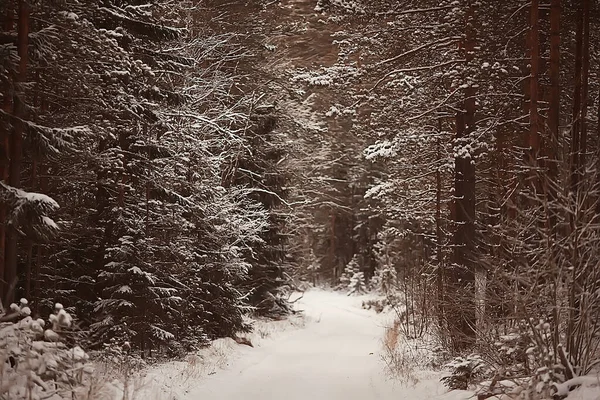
[{"x": 334, "y": 357}]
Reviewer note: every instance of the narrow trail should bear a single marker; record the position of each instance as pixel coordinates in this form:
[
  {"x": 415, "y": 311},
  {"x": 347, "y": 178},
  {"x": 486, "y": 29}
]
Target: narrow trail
[{"x": 336, "y": 356}]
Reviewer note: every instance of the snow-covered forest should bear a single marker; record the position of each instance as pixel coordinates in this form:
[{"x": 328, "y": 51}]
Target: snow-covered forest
[{"x": 174, "y": 173}]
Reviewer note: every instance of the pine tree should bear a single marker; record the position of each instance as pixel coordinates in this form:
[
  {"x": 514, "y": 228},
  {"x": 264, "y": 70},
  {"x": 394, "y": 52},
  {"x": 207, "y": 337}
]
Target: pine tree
[
  {"x": 349, "y": 271},
  {"x": 387, "y": 279},
  {"x": 357, "y": 284}
]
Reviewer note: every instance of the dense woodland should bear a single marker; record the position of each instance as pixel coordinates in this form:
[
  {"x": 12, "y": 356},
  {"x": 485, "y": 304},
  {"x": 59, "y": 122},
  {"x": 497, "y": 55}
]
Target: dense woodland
[{"x": 170, "y": 168}]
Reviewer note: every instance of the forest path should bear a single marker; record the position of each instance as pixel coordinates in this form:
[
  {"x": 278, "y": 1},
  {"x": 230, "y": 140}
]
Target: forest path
[{"x": 336, "y": 356}]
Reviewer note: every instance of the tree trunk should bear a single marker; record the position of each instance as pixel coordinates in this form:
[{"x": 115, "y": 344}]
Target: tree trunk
[
  {"x": 534, "y": 132},
  {"x": 39, "y": 257},
  {"x": 28, "y": 242},
  {"x": 7, "y": 26},
  {"x": 336, "y": 273},
  {"x": 438, "y": 231},
  {"x": 576, "y": 123},
  {"x": 16, "y": 146},
  {"x": 462, "y": 322},
  {"x": 579, "y": 273},
  {"x": 554, "y": 115},
  {"x": 598, "y": 159},
  {"x": 585, "y": 69}
]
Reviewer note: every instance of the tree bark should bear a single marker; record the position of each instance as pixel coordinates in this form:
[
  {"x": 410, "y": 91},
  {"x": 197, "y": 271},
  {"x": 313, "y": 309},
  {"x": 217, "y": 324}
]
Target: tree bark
[
  {"x": 29, "y": 242},
  {"x": 534, "y": 131},
  {"x": 598, "y": 159},
  {"x": 336, "y": 273},
  {"x": 438, "y": 231},
  {"x": 585, "y": 69},
  {"x": 554, "y": 114},
  {"x": 7, "y": 26},
  {"x": 579, "y": 149},
  {"x": 576, "y": 123},
  {"x": 462, "y": 322},
  {"x": 16, "y": 146}
]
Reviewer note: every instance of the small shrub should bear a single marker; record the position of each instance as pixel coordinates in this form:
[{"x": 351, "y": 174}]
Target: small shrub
[
  {"x": 380, "y": 305},
  {"x": 526, "y": 356},
  {"x": 465, "y": 372}
]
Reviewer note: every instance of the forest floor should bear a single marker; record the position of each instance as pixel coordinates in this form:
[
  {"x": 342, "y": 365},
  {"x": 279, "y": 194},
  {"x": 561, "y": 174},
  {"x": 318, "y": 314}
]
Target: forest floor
[{"x": 334, "y": 351}]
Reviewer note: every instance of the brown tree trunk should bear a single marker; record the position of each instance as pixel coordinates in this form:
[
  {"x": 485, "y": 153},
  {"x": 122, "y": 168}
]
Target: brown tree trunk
[
  {"x": 336, "y": 273},
  {"x": 551, "y": 183},
  {"x": 16, "y": 146},
  {"x": 554, "y": 113},
  {"x": 28, "y": 241},
  {"x": 598, "y": 161},
  {"x": 438, "y": 231},
  {"x": 462, "y": 322},
  {"x": 534, "y": 131},
  {"x": 8, "y": 22},
  {"x": 585, "y": 69},
  {"x": 43, "y": 180},
  {"x": 579, "y": 149},
  {"x": 576, "y": 124}
]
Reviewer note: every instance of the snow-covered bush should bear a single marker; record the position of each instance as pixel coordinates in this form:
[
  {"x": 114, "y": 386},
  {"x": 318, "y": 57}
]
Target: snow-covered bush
[
  {"x": 36, "y": 363},
  {"x": 465, "y": 372},
  {"x": 120, "y": 357},
  {"x": 527, "y": 358},
  {"x": 380, "y": 305},
  {"x": 546, "y": 367}
]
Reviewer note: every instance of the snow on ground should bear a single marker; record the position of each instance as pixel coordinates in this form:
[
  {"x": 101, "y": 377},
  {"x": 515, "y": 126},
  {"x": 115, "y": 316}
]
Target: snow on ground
[
  {"x": 175, "y": 379},
  {"x": 589, "y": 389},
  {"x": 337, "y": 355},
  {"x": 333, "y": 350}
]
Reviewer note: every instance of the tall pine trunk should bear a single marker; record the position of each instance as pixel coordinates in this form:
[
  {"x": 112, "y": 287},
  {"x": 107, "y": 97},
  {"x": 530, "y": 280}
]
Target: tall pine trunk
[
  {"x": 438, "y": 231},
  {"x": 534, "y": 131},
  {"x": 551, "y": 183},
  {"x": 585, "y": 69},
  {"x": 462, "y": 322},
  {"x": 576, "y": 122},
  {"x": 8, "y": 22},
  {"x": 554, "y": 115},
  {"x": 16, "y": 146},
  {"x": 579, "y": 160}
]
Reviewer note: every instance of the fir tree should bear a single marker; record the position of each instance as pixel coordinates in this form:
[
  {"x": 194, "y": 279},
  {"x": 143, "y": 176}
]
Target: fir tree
[{"x": 357, "y": 284}]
